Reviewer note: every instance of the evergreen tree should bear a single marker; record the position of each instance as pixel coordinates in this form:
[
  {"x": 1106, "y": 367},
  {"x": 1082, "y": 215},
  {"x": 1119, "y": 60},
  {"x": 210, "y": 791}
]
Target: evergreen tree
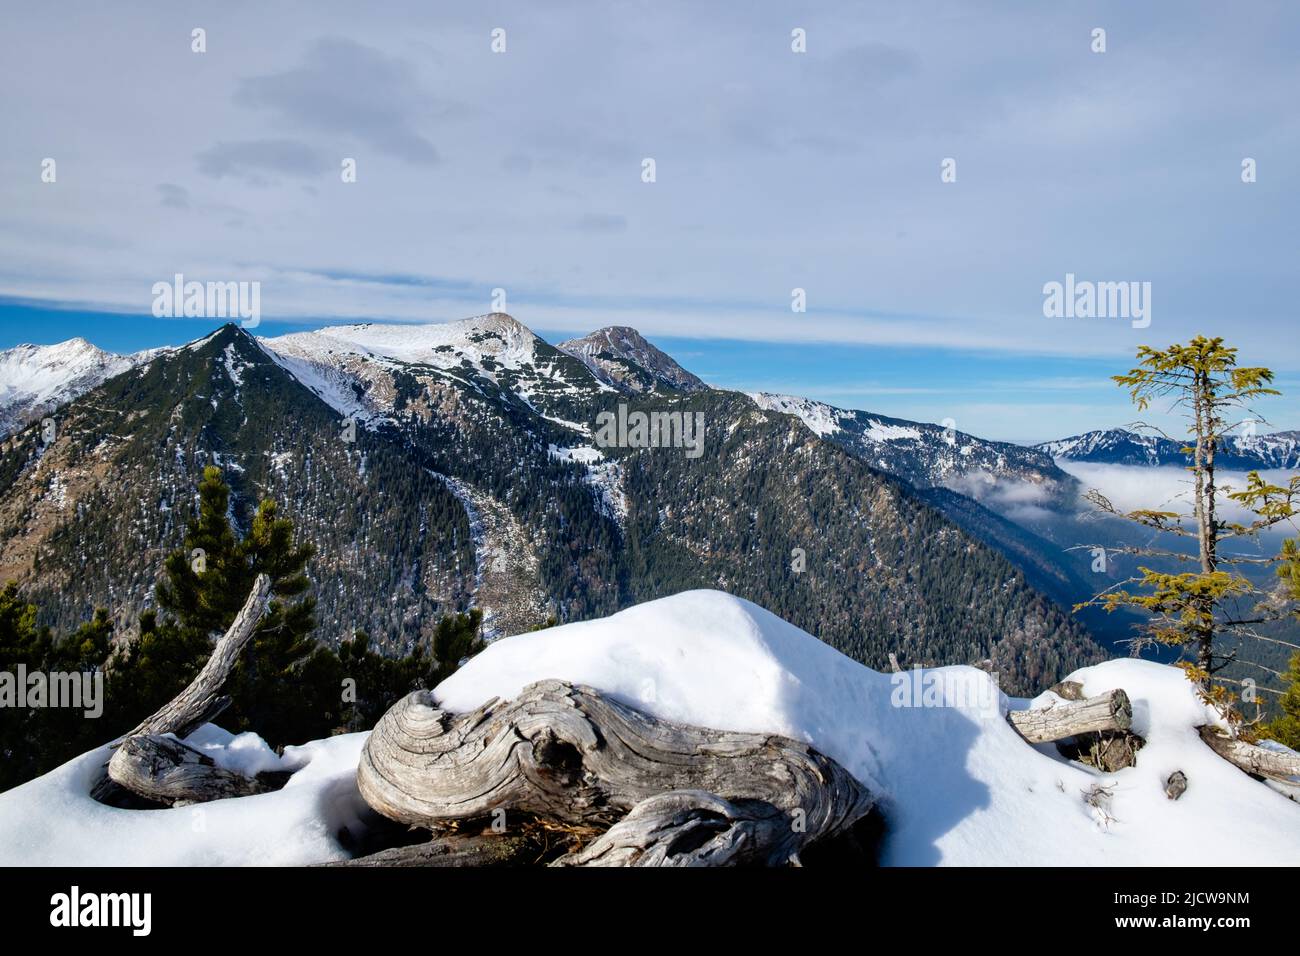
[
  {"x": 1191, "y": 609},
  {"x": 35, "y": 739},
  {"x": 278, "y": 686}
]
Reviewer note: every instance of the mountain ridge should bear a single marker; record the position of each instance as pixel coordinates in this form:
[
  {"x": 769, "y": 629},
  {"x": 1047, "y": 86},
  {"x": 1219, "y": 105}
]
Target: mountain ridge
[
  {"x": 1121, "y": 446},
  {"x": 474, "y": 481}
]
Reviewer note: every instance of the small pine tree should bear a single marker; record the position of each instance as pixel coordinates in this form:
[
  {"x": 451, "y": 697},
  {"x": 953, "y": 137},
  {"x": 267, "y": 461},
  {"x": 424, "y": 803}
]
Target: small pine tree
[
  {"x": 1204, "y": 383},
  {"x": 279, "y": 685}
]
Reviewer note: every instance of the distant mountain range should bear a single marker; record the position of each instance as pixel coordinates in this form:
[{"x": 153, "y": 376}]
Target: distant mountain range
[
  {"x": 441, "y": 466},
  {"x": 1118, "y": 446}
]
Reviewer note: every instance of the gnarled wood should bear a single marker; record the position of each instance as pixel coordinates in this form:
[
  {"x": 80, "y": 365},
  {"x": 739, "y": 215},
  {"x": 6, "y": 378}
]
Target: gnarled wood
[
  {"x": 1107, "y": 712},
  {"x": 201, "y": 700},
  {"x": 693, "y": 828},
  {"x": 1255, "y": 760},
  {"x": 569, "y": 754},
  {"x": 197, "y": 704},
  {"x": 167, "y": 771}
]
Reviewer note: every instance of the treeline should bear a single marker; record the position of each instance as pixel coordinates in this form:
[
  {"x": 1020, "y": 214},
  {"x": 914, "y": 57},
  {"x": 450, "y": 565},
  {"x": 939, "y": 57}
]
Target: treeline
[{"x": 287, "y": 686}]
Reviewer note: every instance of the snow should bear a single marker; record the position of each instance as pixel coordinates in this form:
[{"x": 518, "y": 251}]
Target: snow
[
  {"x": 333, "y": 360},
  {"x": 50, "y": 821},
  {"x": 879, "y": 431},
  {"x": 820, "y": 418},
  {"x": 234, "y": 366},
  {"x": 956, "y": 784},
  {"x": 823, "y": 419},
  {"x": 497, "y": 338},
  {"x": 36, "y": 379},
  {"x": 331, "y": 385},
  {"x": 583, "y": 454},
  {"x": 245, "y": 753}
]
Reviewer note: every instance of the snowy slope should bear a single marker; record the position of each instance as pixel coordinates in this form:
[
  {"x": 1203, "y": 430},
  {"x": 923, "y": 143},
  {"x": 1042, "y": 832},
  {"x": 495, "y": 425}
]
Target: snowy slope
[
  {"x": 351, "y": 367},
  {"x": 50, "y": 821},
  {"x": 36, "y": 379},
  {"x": 957, "y": 785},
  {"x": 998, "y": 474},
  {"x": 960, "y": 786}
]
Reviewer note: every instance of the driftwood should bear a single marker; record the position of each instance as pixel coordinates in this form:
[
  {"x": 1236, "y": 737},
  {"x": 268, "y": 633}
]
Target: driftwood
[
  {"x": 202, "y": 701},
  {"x": 693, "y": 828},
  {"x": 570, "y": 755},
  {"x": 1110, "y": 712},
  {"x": 1254, "y": 760},
  {"x": 144, "y": 764},
  {"x": 167, "y": 771}
]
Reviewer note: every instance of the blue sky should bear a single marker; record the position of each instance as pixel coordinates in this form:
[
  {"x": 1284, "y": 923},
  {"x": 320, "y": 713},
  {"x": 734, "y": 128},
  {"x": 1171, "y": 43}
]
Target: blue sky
[{"x": 776, "y": 170}]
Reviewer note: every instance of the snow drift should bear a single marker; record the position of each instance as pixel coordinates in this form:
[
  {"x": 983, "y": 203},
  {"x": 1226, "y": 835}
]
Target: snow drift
[{"x": 956, "y": 783}]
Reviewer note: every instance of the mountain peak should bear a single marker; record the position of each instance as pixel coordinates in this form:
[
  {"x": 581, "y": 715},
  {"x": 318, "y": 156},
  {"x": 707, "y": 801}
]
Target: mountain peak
[
  {"x": 620, "y": 356},
  {"x": 35, "y": 379}
]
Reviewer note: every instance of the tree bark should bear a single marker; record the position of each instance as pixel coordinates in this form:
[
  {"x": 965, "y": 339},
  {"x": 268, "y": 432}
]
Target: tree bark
[
  {"x": 691, "y": 828},
  {"x": 1253, "y": 759},
  {"x": 1108, "y": 712},
  {"x": 569, "y": 754},
  {"x": 167, "y": 771},
  {"x": 197, "y": 704},
  {"x": 201, "y": 700}
]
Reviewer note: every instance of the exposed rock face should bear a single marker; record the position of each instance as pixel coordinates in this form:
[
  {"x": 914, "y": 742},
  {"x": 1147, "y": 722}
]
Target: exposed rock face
[{"x": 622, "y": 358}]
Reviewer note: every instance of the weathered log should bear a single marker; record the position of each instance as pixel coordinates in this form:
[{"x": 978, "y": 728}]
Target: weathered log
[
  {"x": 1107, "y": 712},
  {"x": 569, "y": 754},
  {"x": 691, "y": 828},
  {"x": 457, "y": 849},
  {"x": 167, "y": 771},
  {"x": 1255, "y": 760},
  {"x": 201, "y": 700},
  {"x": 197, "y": 704}
]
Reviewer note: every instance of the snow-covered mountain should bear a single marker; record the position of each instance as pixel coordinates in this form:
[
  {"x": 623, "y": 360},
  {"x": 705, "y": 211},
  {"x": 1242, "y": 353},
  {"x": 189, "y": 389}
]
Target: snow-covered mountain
[
  {"x": 370, "y": 371},
  {"x": 619, "y": 356},
  {"x": 929, "y": 455},
  {"x": 1119, "y": 446},
  {"x": 37, "y": 379},
  {"x": 471, "y": 475},
  {"x": 956, "y": 785}
]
